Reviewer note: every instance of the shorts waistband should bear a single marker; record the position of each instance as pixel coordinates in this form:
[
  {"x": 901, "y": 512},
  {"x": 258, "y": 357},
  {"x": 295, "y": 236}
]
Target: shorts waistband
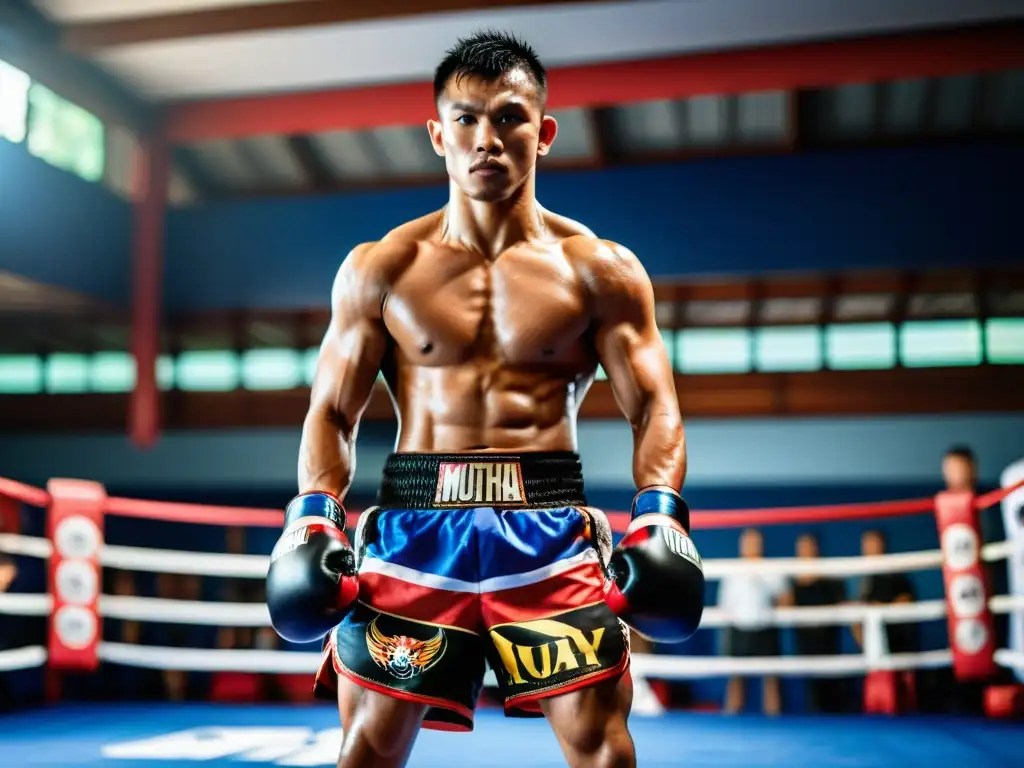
[{"x": 465, "y": 480}]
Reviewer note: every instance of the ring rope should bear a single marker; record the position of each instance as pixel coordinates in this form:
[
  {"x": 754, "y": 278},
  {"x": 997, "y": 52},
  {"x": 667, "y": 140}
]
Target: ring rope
[
  {"x": 644, "y": 665},
  {"x": 184, "y": 611},
  {"x": 190, "y": 563},
  {"x": 28, "y": 494},
  {"x": 220, "y": 515},
  {"x": 29, "y": 546},
  {"x": 13, "y": 604},
  {"x": 209, "y": 660},
  {"x": 23, "y": 658},
  {"x": 255, "y": 566},
  {"x": 130, "y": 608},
  {"x": 177, "y": 512}
]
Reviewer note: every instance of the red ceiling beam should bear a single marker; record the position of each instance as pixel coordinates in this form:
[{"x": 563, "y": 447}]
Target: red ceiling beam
[
  {"x": 784, "y": 67},
  {"x": 92, "y": 36}
]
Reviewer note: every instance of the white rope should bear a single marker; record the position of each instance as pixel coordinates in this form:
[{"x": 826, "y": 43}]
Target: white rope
[
  {"x": 207, "y": 660},
  {"x": 836, "y": 615},
  {"x": 131, "y": 608},
  {"x": 22, "y": 658},
  {"x": 858, "y": 565},
  {"x": 644, "y": 665},
  {"x": 1011, "y": 659},
  {"x": 255, "y": 566},
  {"x": 692, "y": 667},
  {"x": 25, "y": 605},
  {"x": 184, "y": 611},
  {"x": 29, "y": 546},
  {"x": 1006, "y": 603},
  {"x": 190, "y": 563}
]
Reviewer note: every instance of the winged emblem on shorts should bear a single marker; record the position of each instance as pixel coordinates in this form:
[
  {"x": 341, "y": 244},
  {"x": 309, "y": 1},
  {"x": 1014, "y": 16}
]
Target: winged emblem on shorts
[{"x": 402, "y": 656}]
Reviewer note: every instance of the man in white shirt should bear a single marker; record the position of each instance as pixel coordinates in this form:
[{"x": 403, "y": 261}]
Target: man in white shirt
[
  {"x": 1013, "y": 521},
  {"x": 748, "y": 601}
]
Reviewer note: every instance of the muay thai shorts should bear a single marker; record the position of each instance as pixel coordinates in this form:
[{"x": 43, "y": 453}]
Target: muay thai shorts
[{"x": 473, "y": 560}]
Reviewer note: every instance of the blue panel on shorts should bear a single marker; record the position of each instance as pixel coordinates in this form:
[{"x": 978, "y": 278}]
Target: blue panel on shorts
[
  {"x": 519, "y": 541},
  {"x": 437, "y": 541},
  {"x": 476, "y": 544}
]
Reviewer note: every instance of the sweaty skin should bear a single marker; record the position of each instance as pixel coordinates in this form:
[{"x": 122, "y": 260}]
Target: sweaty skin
[
  {"x": 488, "y": 320},
  {"x": 490, "y": 352}
]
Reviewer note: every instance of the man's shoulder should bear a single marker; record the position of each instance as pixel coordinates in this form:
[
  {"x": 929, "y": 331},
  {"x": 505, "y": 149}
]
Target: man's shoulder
[
  {"x": 381, "y": 259},
  {"x": 608, "y": 267}
]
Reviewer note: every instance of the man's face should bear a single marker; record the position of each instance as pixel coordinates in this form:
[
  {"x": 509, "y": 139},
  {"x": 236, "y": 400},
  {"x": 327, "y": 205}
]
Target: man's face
[
  {"x": 958, "y": 473},
  {"x": 751, "y": 544},
  {"x": 806, "y": 547},
  {"x": 490, "y": 133},
  {"x": 871, "y": 544}
]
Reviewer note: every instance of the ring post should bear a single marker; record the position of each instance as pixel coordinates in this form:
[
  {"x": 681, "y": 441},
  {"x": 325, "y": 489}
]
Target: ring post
[
  {"x": 75, "y": 526},
  {"x": 971, "y": 630}
]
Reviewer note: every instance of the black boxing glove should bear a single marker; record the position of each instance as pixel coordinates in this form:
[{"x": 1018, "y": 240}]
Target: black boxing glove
[
  {"x": 656, "y": 582},
  {"x": 312, "y": 578}
]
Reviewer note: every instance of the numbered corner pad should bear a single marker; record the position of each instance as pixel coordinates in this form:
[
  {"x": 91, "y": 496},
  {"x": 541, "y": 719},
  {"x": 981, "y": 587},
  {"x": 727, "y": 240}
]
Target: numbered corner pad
[{"x": 315, "y": 504}]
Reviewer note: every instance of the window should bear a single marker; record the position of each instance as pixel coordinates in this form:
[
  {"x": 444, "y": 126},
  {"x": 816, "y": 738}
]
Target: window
[
  {"x": 164, "y": 373},
  {"x": 13, "y": 103},
  {"x": 21, "y": 374},
  {"x": 940, "y": 343},
  {"x": 207, "y": 371},
  {"x": 64, "y": 134},
  {"x": 112, "y": 372},
  {"x": 795, "y": 348},
  {"x": 713, "y": 350},
  {"x": 67, "y": 374},
  {"x": 1004, "y": 340},
  {"x": 264, "y": 369},
  {"x": 860, "y": 346}
]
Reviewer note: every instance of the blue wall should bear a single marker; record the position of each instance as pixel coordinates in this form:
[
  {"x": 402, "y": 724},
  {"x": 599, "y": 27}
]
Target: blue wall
[
  {"x": 58, "y": 229},
  {"x": 939, "y": 206},
  {"x": 737, "y": 453},
  {"x": 929, "y": 207}
]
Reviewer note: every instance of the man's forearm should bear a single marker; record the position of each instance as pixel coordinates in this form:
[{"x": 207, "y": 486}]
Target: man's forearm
[
  {"x": 659, "y": 447},
  {"x": 326, "y": 455}
]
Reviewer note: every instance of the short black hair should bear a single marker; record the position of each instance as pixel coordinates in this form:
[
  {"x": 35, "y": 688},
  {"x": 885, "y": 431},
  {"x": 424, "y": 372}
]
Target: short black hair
[
  {"x": 962, "y": 452},
  {"x": 489, "y": 55}
]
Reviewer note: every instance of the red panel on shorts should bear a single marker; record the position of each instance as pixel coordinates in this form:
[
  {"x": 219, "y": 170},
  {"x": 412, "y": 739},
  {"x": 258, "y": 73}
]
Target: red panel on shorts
[
  {"x": 576, "y": 587},
  {"x": 420, "y": 603}
]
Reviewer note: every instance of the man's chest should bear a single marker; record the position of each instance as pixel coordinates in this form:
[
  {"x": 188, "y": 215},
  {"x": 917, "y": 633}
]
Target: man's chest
[{"x": 523, "y": 306}]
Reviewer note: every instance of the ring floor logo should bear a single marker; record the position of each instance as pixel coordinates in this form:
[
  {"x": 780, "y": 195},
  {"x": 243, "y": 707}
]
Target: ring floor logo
[{"x": 287, "y": 745}]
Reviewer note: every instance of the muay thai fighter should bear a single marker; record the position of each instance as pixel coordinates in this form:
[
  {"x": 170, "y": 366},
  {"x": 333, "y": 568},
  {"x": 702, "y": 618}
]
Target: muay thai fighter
[{"x": 488, "y": 319}]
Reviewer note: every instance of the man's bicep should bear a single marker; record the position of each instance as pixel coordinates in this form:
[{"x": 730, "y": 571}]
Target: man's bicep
[
  {"x": 630, "y": 347},
  {"x": 352, "y": 348}
]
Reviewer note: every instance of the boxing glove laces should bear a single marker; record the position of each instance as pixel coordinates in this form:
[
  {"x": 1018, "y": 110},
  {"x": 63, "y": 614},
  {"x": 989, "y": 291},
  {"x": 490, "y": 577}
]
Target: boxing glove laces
[
  {"x": 656, "y": 582},
  {"x": 311, "y": 582}
]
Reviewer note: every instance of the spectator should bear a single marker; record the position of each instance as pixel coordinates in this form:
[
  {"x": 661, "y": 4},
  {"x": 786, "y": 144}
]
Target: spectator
[
  {"x": 960, "y": 469},
  {"x": 824, "y": 694},
  {"x": 179, "y": 685},
  {"x": 8, "y": 572},
  {"x": 890, "y": 589},
  {"x": 960, "y": 473},
  {"x": 887, "y": 589},
  {"x": 748, "y": 601}
]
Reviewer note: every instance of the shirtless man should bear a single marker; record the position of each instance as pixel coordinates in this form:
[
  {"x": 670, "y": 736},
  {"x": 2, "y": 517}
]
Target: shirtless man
[{"x": 488, "y": 320}]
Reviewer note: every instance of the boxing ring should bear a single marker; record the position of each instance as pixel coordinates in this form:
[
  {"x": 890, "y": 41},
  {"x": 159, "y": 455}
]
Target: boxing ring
[{"x": 165, "y": 734}]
